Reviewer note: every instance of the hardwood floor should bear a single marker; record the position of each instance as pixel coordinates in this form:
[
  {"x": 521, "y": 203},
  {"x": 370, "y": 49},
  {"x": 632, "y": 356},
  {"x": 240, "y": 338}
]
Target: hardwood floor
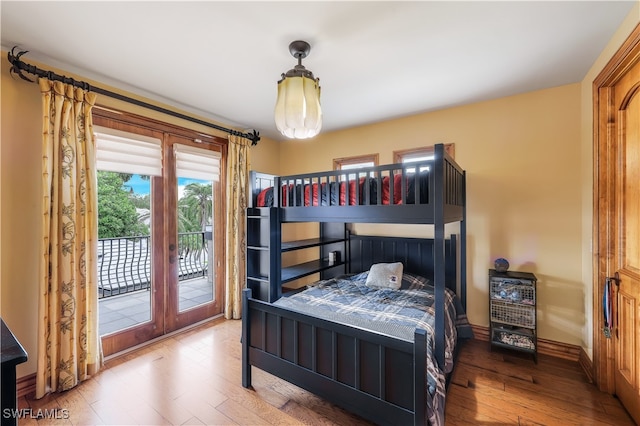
[{"x": 193, "y": 378}]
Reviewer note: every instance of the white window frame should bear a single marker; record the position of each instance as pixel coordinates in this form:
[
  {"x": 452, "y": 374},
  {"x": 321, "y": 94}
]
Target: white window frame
[
  {"x": 356, "y": 162},
  {"x": 420, "y": 154}
]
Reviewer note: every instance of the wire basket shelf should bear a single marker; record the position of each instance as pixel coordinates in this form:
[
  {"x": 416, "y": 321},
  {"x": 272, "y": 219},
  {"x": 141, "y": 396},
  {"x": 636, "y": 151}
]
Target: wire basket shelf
[{"x": 509, "y": 313}]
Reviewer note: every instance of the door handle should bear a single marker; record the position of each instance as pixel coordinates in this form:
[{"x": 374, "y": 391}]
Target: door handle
[{"x": 616, "y": 280}]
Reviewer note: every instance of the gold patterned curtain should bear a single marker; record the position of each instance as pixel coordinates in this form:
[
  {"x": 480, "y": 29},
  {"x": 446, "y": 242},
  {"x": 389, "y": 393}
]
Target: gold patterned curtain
[
  {"x": 238, "y": 166},
  {"x": 69, "y": 348}
]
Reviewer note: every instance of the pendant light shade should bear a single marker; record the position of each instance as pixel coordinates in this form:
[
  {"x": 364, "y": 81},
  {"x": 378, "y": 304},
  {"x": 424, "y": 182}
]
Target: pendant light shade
[{"x": 298, "y": 114}]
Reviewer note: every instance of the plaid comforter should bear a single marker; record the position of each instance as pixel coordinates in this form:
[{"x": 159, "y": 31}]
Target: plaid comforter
[{"x": 397, "y": 313}]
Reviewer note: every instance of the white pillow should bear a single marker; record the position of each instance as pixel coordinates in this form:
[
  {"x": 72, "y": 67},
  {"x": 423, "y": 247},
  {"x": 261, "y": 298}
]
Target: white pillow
[{"x": 385, "y": 275}]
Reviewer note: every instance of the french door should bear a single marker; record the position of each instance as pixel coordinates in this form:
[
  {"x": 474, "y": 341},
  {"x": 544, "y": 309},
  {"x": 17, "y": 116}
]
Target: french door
[
  {"x": 194, "y": 231},
  {"x": 167, "y": 273}
]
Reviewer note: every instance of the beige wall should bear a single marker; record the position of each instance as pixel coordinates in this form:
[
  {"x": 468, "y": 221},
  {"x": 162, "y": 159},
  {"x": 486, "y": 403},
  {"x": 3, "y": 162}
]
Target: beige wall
[
  {"x": 524, "y": 188},
  {"x": 20, "y": 203}
]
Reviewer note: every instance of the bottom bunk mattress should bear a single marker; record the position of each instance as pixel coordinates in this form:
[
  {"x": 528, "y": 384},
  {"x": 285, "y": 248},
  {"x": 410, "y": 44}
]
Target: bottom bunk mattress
[{"x": 354, "y": 301}]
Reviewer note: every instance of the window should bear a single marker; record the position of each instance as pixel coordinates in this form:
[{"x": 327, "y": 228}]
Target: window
[
  {"x": 414, "y": 155},
  {"x": 349, "y": 163}
]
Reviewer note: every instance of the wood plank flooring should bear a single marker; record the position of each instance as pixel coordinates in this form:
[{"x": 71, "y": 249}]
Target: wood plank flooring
[{"x": 193, "y": 378}]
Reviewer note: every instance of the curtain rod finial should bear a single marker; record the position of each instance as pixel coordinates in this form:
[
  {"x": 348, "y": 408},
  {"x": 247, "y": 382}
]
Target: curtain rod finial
[
  {"x": 254, "y": 136},
  {"x": 17, "y": 66}
]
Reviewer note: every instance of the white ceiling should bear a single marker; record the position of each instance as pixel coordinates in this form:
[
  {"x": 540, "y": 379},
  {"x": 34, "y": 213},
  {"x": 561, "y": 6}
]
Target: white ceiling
[{"x": 376, "y": 60}]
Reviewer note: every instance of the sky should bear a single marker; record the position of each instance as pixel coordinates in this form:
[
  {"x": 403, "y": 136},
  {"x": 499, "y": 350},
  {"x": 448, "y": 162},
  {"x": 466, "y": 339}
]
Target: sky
[{"x": 143, "y": 187}]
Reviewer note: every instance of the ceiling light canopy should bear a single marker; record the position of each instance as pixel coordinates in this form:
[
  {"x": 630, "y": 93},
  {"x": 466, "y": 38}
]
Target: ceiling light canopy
[{"x": 298, "y": 114}]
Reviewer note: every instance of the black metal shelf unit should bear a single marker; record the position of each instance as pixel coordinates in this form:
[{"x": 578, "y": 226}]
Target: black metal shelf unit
[{"x": 512, "y": 307}]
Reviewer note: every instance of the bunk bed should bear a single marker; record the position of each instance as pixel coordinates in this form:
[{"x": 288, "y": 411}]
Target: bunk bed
[{"x": 386, "y": 376}]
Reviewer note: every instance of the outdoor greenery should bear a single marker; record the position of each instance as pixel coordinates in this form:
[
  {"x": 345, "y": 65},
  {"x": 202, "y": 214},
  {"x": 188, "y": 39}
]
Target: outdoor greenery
[
  {"x": 117, "y": 215},
  {"x": 141, "y": 201},
  {"x": 195, "y": 208}
]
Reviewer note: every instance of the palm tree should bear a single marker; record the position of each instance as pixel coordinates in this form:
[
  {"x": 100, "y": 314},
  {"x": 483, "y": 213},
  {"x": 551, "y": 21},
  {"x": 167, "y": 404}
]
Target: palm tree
[{"x": 196, "y": 206}]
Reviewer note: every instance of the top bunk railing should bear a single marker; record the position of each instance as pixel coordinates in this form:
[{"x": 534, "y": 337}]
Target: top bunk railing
[
  {"x": 355, "y": 187},
  {"x": 407, "y": 184}
]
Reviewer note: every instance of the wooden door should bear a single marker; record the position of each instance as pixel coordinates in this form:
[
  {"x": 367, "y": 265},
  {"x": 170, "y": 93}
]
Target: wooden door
[
  {"x": 193, "y": 297},
  {"x": 627, "y": 240},
  {"x": 132, "y": 311},
  {"x": 616, "y": 243}
]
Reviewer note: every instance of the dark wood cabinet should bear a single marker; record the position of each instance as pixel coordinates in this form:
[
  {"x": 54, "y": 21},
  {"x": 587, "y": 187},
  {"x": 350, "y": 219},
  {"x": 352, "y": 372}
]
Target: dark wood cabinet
[{"x": 12, "y": 353}]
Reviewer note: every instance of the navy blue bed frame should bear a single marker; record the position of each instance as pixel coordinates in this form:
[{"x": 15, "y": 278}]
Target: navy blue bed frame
[{"x": 375, "y": 376}]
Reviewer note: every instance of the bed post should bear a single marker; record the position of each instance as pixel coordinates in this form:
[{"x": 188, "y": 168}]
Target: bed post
[
  {"x": 463, "y": 244},
  {"x": 252, "y": 188},
  {"x": 277, "y": 187},
  {"x": 439, "y": 252},
  {"x": 246, "y": 321},
  {"x": 419, "y": 377}
]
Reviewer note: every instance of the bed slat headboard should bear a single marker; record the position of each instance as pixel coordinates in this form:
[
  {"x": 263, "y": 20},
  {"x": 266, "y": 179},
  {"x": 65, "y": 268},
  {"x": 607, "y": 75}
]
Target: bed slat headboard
[{"x": 416, "y": 254}]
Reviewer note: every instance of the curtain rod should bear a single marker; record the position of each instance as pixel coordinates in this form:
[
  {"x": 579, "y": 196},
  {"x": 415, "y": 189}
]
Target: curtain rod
[{"x": 18, "y": 66}]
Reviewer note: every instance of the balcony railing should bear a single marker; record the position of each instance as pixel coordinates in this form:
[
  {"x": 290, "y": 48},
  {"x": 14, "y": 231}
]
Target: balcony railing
[{"x": 124, "y": 264}]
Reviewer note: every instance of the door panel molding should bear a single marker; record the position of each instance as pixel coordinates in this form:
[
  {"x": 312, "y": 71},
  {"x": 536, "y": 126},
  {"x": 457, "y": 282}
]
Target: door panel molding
[
  {"x": 629, "y": 204},
  {"x": 627, "y": 306}
]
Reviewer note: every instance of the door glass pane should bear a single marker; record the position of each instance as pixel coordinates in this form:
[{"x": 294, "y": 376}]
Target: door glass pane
[
  {"x": 195, "y": 242},
  {"x": 124, "y": 250}
]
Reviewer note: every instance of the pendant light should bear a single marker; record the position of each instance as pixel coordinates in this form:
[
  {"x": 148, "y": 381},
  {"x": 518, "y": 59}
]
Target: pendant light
[{"x": 297, "y": 113}]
